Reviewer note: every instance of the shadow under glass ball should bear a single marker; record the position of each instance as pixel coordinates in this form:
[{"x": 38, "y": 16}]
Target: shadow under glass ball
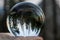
[{"x": 25, "y": 19}]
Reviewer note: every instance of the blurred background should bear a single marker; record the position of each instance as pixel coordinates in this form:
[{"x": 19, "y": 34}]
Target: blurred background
[{"x": 51, "y": 9}]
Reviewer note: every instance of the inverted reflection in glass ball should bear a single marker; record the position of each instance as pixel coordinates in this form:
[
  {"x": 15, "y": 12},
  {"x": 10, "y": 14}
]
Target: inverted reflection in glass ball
[{"x": 25, "y": 19}]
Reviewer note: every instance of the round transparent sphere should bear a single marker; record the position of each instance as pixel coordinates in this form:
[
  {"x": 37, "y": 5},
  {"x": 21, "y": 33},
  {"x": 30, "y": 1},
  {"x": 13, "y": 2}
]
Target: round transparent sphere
[{"x": 25, "y": 19}]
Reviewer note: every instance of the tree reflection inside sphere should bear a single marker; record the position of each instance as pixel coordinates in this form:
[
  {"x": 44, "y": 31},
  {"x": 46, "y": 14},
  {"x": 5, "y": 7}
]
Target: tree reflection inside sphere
[{"x": 25, "y": 19}]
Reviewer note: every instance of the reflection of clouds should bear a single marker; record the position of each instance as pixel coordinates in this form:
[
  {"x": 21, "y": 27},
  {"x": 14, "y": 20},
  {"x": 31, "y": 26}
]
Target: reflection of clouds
[{"x": 34, "y": 1}]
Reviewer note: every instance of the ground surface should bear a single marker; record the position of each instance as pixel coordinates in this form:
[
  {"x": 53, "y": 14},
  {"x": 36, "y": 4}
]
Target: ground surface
[{"x": 7, "y": 36}]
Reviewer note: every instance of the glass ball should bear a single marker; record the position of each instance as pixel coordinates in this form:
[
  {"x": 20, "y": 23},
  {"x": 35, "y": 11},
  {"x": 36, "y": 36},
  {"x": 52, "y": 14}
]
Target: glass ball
[{"x": 25, "y": 19}]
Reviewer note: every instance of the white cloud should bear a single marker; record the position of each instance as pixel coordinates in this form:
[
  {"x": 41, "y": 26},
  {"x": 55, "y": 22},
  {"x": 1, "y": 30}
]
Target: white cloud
[
  {"x": 1, "y": 3},
  {"x": 58, "y": 2}
]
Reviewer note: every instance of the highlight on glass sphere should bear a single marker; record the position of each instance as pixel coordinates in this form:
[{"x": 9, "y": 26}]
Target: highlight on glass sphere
[{"x": 25, "y": 19}]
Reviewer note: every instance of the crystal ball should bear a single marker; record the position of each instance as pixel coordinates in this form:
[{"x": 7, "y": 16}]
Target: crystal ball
[{"x": 25, "y": 19}]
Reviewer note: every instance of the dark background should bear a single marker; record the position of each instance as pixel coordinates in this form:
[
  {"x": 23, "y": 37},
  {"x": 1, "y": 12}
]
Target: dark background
[{"x": 51, "y": 28}]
